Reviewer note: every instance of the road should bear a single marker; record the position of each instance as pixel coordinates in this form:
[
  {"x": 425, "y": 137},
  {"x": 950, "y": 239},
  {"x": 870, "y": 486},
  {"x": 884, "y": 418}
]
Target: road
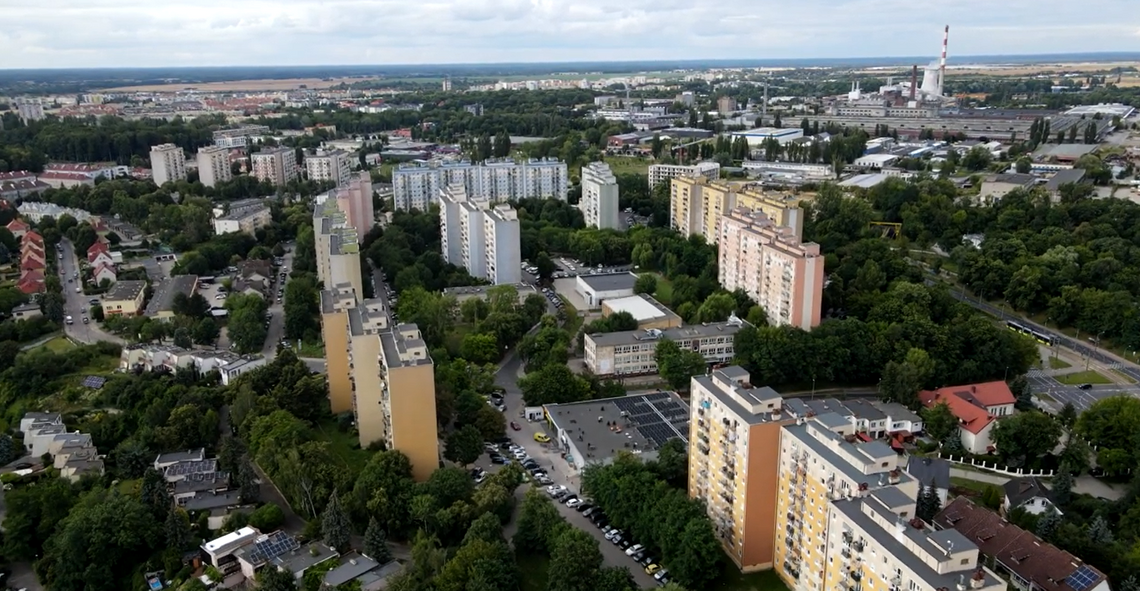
[
  {"x": 276, "y": 330},
  {"x": 77, "y": 305},
  {"x": 559, "y": 472}
]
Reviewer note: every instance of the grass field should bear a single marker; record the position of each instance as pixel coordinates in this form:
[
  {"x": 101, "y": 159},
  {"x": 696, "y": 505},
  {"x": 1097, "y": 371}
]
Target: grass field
[
  {"x": 1083, "y": 377},
  {"x": 978, "y": 487},
  {"x": 733, "y": 580},
  {"x": 1058, "y": 363},
  {"x": 664, "y": 293},
  {"x": 56, "y": 345},
  {"x": 628, "y": 165},
  {"x": 313, "y": 349},
  {"x": 573, "y": 320},
  {"x": 344, "y": 446}
]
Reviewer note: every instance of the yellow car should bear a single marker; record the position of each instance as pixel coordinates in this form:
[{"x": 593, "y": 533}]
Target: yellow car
[
  {"x": 651, "y": 569},
  {"x": 542, "y": 438}
]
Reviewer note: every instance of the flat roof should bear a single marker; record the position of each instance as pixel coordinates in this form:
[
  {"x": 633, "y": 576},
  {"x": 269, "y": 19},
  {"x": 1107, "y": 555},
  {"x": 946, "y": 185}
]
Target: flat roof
[
  {"x": 637, "y": 306},
  {"x": 822, "y": 443},
  {"x": 127, "y": 289},
  {"x": 639, "y": 423},
  {"x": 865, "y": 181},
  {"x": 351, "y": 566},
  {"x": 756, "y": 396},
  {"x": 163, "y": 298},
  {"x": 695, "y": 331},
  {"x": 230, "y": 538},
  {"x": 609, "y": 281}
]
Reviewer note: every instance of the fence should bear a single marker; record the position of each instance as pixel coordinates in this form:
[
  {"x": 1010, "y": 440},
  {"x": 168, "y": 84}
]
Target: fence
[{"x": 995, "y": 467}]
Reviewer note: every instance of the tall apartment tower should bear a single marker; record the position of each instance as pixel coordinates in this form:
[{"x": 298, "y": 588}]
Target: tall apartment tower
[
  {"x": 659, "y": 173},
  {"x": 335, "y": 305},
  {"x": 599, "y": 202},
  {"x": 331, "y": 165},
  {"x": 697, "y": 203},
  {"x": 501, "y": 245},
  {"x": 451, "y": 240},
  {"x": 30, "y": 110},
  {"x": 213, "y": 165},
  {"x": 395, "y": 392},
  {"x": 734, "y": 439},
  {"x": 355, "y": 200},
  {"x": 771, "y": 265},
  {"x": 275, "y": 165},
  {"x": 337, "y": 248},
  {"x": 167, "y": 163}
]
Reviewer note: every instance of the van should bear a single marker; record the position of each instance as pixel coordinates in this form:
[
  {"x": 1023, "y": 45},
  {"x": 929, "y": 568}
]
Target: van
[{"x": 542, "y": 438}]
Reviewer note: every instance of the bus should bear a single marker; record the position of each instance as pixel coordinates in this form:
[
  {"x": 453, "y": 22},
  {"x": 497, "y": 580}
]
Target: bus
[{"x": 1041, "y": 337}]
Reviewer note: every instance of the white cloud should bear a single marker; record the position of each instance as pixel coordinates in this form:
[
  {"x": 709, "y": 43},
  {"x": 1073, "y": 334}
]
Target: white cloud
[{"x": 89, "y": 33}]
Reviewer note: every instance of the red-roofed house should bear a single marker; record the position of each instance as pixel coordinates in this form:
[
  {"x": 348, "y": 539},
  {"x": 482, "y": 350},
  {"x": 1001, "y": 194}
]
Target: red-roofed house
[
  {"x": 18, "y": 228},
  {"x": 31, "y": 281},
  {"x": 104, "y": 271},
  {"x": 977, "y": 406},
  {"x": 98, "y": 254}
]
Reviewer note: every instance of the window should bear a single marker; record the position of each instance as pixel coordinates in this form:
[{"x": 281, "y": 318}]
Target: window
[{"x": 965, "y": 561}]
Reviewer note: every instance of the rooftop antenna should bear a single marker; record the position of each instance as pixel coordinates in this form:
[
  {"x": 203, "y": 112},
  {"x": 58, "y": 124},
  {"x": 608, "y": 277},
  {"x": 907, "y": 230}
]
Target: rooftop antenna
[
  {"x": 942, "y": 65},
  {"x": 764, "y": 105}
]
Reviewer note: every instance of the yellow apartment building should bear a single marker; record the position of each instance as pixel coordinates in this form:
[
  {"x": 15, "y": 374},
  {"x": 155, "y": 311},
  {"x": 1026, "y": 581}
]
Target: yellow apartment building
[
  {"x": 696, "y": 205},
  {"x": 733, "y": 461},
  {"x": 335, "y": 304}
]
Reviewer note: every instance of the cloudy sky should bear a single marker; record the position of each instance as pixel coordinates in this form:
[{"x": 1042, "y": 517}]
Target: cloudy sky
[{"x": 94, "y": 33}]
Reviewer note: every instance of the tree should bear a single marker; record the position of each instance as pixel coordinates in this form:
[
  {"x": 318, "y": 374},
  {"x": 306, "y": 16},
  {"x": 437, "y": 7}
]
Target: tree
[
  {"x": 177, "y": 528},
  {"x": 1068, "y": 415},
  {"x": 1025, "y": 436},
  {"x": 335, "y": 525},
  {"x": 939, "y": 422},
  {"x": 206, "y": 331},
  {"x": 1048, "y": 524},
  {"x": 8, "y": 450},
  {"x": 1024, "y": 165},
  {"x": 464, "y": 446},
  {"x": 537, "y": 517},
  {"x": 901, "y": 383},
  {"x": 546, "y": 267},
  {"x": 553, "y": 384},
  {"x": 248, "y": 489},
  {"x": 376, "y": 543},
  {"x": 1099, "y": 533},
  {"x": 267, "y": 517},
  {"x": 275, "y": 579},
  {"x": 716, "y": 308},
  {"x": 929, "y": 503},
  {"x": 152, "y": 493},
  {"x": 480, "y": 348},
  {"x": 678, "y": 366},
  {"x": 486, "y": 528},
  {"x": 574, "y": 561},
  {"x": 646, "y": 283},
  {"x": 673, "y": 463},
  {"x": 1062, "y": 488},
  {"x": 978, "y": 158}
]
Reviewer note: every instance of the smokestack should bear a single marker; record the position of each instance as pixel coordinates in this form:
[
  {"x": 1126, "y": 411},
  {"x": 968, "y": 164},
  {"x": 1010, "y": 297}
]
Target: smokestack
[
  {"x": 942, "y": 65},
  {"x": 913, "y": 80}
]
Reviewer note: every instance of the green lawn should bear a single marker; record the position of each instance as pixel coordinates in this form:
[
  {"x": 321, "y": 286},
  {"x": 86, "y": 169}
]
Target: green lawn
[
  {"x": 57, "y": 345},
  {"x": 313, "y": 349},
  {"x": 628, "y": 164},
  {"x": 978, "y": 487},
  {"x": 1083, "y": 377},
  {"x": 1058, "y": 363},
  {"x": 573, "y": 320},
  {"x": 533, "y": 568},
  {"x": 733, "y": 580},
  {"x": 664, "y": 293},
  {"x": 344, "y": 446}
]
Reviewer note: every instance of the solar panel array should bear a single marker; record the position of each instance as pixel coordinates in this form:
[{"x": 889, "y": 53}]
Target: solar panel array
[
  {"x": 275, "y": 545},
  {"x": 1083, "y": 578},
  {"x": 191, "y": 467},
  {"x": 658, "y": 417},
  {"x": 94, "y": 382}
]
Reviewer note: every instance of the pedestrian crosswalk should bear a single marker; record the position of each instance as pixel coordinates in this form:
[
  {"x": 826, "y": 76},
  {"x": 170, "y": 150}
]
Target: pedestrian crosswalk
[{"x": 1035, "y": 373}]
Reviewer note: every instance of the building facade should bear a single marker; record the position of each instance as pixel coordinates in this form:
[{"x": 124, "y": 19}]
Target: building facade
[
  {"x": 331, "y": 165},
  {"x": 277, "y": 166},
  {"x": 480, "y": 237},
  {"x": 501, "y": 245},
  {"x": 633, "y": 353},
  {"x": 659, "y": 173},
  {"x": 213, "y": 165},
  {"x": 696, "y": 205},
  {"x": 417, "y": 186},
  {"x": 599, "y": 202},
  {"x": 771, "y": 265},
  {"x": 167, "y": 163}
]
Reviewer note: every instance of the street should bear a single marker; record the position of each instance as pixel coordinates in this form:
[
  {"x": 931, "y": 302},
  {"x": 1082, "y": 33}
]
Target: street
[
  {"x": 78, "y": 305},
  {"x": 559, "y": 472},
  {"x": 277, "y": 310}
]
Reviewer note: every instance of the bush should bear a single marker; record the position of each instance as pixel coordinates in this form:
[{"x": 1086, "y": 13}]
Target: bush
[{"x": 267, "y": 517}]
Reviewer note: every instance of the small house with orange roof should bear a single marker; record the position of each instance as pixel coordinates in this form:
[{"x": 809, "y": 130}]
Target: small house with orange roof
[
  {"x": 18, "y": 228},
  {"x": 977, "y": 407}
]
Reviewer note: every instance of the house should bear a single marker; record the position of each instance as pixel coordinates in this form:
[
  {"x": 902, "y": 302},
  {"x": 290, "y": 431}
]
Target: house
[
  {"x": 301, "y": 559},
  {"x": 18, "y": 228},
  {"x": 99, "y": 254},
  {"x": 161, "y": 305},
  {"x": 104, "y": 271},
  {"x": 31, "y": 281},
  {"x": 221, "y": 552},
  {"x": 357, "y": 567},
  {"x": 163, "y": 461},
  {"x": 931, "y": 472},
  {"x": 73, "y": 453},
  {"x": 977, "y": 406},
  {"x": 1027, "y": 493},
  {"x": 219, "y": 505},
  {"x": 26, "y": 311},
  {"x": 999, "y": 185},
  {"x": 256, "y": 554},
  {"x": 1031, "y": 563},
  {"x": 177, "y": 472}
]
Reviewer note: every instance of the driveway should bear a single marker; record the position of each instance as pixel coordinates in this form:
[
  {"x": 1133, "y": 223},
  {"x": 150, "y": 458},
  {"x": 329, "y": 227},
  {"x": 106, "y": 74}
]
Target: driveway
[
  {"x": 77, "y": 305},
  {"x": 559, "y": 471}
]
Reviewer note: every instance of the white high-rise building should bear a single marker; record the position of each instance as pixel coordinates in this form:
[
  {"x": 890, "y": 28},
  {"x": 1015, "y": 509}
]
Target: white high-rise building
[
  {"x": 276, "y": 165},
  {"x": 664, "y": 172},
  {"x": 599, "y": 202},
  {"x": 332, "y": 165},
  {"x": 30, "y": 109},
  {"x": 479, "y": 237},
  {"x": 213, "y": 165},
  {"x": 419, "y": 186},
  {"x": 167, "y": 163}
]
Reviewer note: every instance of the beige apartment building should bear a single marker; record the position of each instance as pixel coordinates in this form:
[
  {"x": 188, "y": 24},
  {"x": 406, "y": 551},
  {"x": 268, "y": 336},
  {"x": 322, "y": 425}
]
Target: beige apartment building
[
  {"x": 335, "y": 304},
  {"x": 213, "y": 165},
  {"x": 337, "y": 248},
  {"x": 167, "y": 163},
  {"x": 659, "y": 173},
  {"x": 696, "y": 205},
  {"x": 771, "y": 265},
  {"x": 733, "y": 461},
  {"x": 278, "y": 166},
  {"x": 633, "y": 352},
  {"x": 395, "y": 391},
  {"x": 355, "y": 200},
  {"x": 329, "y": 165}
]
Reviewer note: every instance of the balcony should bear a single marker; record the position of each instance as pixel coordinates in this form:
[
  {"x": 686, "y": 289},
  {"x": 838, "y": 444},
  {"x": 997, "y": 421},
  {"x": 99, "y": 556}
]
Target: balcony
[{"x": 857, "y": 545}]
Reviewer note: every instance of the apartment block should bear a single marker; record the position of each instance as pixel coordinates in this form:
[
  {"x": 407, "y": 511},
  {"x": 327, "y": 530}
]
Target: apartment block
[
  {"x": 240, "y": 137},
  {"x": 247, "y": 219},
  {"x": 697, "y": 203},
  {"x": 771, "y": 265},
  {"x": 659, "y": 173},
  {"x": 213, "y": 165},
  {"x": 733, "y": 462},
  {"x": 277, "y": 166},
  {"x": 337, "y": 248},
  {"x": 479, "y": 237},
  {"x": 599, "y": 202},
  {"x": 395, "y": 391},
  {"x": 167, "y": 163},
  {"x": 417, "y": 186},
  {"x": 330, "y": 165},
  {"x": 633, "y": 353},
  {"x": 30, "y": 110},
  {"x": 335, "y": 305}
]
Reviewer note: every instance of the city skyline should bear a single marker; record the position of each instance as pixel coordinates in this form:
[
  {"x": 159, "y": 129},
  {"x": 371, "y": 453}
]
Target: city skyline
[{"x": 131, "y": 33}]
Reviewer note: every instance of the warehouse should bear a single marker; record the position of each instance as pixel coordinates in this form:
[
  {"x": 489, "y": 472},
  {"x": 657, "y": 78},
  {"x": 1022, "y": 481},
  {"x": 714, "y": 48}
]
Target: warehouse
[
  {"x": 648, "y": 312},
  {"x": 757, "y": 137},
  {"x": 594, "y": 289}
]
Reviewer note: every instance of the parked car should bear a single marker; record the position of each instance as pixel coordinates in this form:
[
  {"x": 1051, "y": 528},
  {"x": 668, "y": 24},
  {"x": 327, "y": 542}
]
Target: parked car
[
  {"x": 567, "y": 498},
  {"x": 515, "y": 426},
  {"x": 554, "y": 489},
  {"x": 661, "y": 574},
  {"x": 634, "y": 549},
  {"x": 652, "y": 568},
  {"x": 613, "y": 533},
  {"x": 498, "y": 459},
  {"x": 583, "y": 507},
  {"x": 542, "y": 437}
]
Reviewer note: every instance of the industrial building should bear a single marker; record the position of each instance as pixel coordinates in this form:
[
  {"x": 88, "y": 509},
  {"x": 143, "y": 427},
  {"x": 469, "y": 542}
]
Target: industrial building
[
  {"x": 756, "y": 137},
  {"x": 597, "y": 288}
]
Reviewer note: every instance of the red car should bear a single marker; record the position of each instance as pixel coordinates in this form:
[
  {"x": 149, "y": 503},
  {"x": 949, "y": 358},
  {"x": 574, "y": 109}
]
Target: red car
[{"x": 515, "y": 426}]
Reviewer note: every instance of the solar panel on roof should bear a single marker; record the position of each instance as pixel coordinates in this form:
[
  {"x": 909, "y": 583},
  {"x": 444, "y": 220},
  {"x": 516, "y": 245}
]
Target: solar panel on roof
[
  {"x": 1083, "y": 578},
  {"x": 94, "y": 382},
  {"x": 274, "y": 546}
]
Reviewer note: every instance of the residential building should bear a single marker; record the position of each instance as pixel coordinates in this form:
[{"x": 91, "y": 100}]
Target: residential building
[
  {"x": 870, "y": 418},
  {"x": 931, "y": 473},
  {"x": 246, "y": 219},
  {"x": 240, "y": 137},
  {"x": 72, "y": 452},
  {"x": 659, "y": 173},
  {"x": 20, "y": 184},
  {"x": 480, "y": 237},
  {"x": 161, "y": 304},
  {"x": 277, "y": 166},
  {"x": 646, "y": 421},
  {"x": 726, "y": 106},
  {"x": 26, "y": 311},
  {"x": 696, "y": 205},
  {"x": 771, "y": 265},
  {"x": 335, "y": 304},
  {"x": 632, "y": 353},
  {"x": 648, "y": 312},
  {"x": 1028, "y": 493},
  {"x": 337, "y": 248},
  {"x": 502, "y": 245},
  {"x": 214, "y": 165},
  {"x": 18, "y": 228},
  {"x": 395, "y": 391},
  {"x": 977, "y": 407},
  {"x": 29, "y": 110},
  {"x": 125, "y": 298},
  {"x": 599, "y": 203},
  {"x": 355, "y": 200},
  {"x": 371, "y": 575},
  {"x": 595, "y": 289},
  {"x": 104, "y": 272},
  {"x": 418, "y": 186},
  {"x": 1031, "y": 563},
  {"x": 170, "y": 358},
  {"x": 733, "y": 462},
  {"x": 330, "y": 165},
  {"x": 167, "y": 164}
]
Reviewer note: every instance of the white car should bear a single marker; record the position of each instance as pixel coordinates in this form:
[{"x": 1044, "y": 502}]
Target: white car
[
  {"x": 573, "y": 503},
  {"x": 634, "y": 549},
  {"x": 554, "y": 489},
  {"x": 613, "y": 534}
]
